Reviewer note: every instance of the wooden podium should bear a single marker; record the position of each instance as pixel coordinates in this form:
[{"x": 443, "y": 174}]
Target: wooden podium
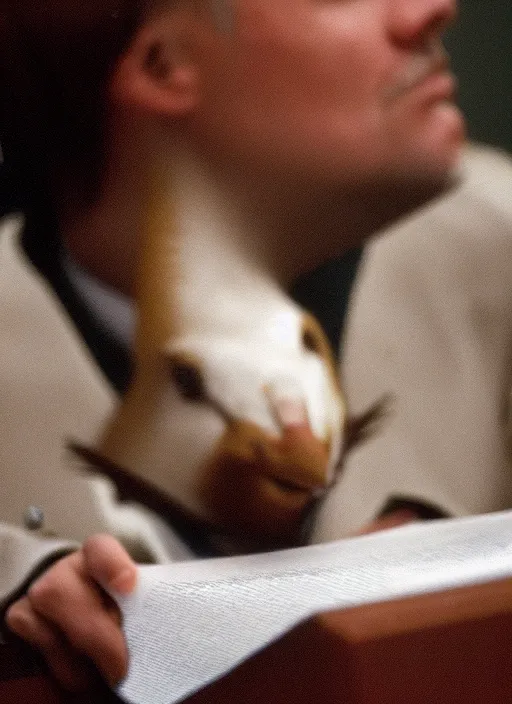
[{"x": 453, "y": 647}]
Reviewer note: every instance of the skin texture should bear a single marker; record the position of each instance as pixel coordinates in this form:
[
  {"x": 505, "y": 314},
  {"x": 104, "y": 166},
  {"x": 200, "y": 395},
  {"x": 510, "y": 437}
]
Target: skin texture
[
  {"x": 72, "y": 621},
  {"x": 329, "y": 100},
  {"x": 308, "y": 114},
  {"x": 342, "y": 70}
]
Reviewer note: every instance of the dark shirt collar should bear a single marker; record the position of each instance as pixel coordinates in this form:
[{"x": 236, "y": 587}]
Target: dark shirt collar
[{"x": 110, "y": 352}]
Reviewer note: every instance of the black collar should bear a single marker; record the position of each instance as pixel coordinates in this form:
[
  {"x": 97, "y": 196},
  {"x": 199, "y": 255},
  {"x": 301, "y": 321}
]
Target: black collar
[{"x": 45, "y": 252}]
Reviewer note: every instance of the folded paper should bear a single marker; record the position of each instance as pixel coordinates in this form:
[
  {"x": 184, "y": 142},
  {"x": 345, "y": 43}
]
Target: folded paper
[{"x": 190, "y": 623}]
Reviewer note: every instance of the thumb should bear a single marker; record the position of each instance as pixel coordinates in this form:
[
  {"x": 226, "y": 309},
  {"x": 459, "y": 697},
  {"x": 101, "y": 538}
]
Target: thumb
[{"x": 109, "y": 564}]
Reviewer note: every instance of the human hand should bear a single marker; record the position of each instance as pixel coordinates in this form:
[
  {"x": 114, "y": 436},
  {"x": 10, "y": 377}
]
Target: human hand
[{"x": 68, "y": 616}]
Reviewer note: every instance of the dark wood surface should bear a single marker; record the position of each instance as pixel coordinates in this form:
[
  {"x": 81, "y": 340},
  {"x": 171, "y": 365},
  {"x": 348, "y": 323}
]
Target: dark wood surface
[{"x": 453, "y": 647}]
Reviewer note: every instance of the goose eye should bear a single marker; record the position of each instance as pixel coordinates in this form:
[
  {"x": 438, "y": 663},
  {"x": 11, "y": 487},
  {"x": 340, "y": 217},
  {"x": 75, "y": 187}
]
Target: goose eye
[
  {"x": 189, "y": 381},
  {"x": 310, "y": 342}
]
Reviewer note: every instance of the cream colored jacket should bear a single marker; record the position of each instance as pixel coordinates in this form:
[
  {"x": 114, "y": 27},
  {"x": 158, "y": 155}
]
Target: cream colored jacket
[
  {"x": 53, "y": 392},
  {"x": 431, "y": 322}
]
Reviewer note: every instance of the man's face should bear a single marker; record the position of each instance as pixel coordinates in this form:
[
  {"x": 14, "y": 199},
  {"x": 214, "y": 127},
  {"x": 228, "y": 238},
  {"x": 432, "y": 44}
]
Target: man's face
[{"x": 343, "y": 90}]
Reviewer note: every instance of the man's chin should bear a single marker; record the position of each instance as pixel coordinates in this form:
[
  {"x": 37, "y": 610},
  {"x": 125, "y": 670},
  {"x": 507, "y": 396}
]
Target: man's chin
[
  {"x": 442, "y": 156},
  {"x": 428, "y": 174}
]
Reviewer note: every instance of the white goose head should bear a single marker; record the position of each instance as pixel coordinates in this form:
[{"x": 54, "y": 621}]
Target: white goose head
[
  {"x": 279, "y": 401},
  {"x": 235, "y": 411}
]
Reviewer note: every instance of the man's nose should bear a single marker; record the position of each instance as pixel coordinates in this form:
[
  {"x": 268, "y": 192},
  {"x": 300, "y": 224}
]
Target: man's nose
[{"x": 417, "y": 22}]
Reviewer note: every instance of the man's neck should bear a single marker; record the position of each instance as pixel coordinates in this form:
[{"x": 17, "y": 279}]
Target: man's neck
[{"x": 286, "y": 231}]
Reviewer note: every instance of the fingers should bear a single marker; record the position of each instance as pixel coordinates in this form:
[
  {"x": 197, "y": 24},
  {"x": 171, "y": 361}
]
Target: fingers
[
  {"x": 108, "y": 563},
  {"x": 70, "y": 618},
  {"x": 75, "y": 605},
  {"x": 70, "y": 670}
]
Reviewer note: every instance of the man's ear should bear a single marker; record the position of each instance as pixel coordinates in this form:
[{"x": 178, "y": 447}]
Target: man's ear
[{"x": 156, "y": 73}]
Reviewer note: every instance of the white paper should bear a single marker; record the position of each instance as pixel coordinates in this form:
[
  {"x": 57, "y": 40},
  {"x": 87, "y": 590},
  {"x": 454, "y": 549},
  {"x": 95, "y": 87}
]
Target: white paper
[{"x": 189, "y": 623}]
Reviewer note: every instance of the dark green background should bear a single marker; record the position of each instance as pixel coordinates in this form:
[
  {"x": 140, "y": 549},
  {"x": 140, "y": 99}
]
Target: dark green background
[{"x": 481, "y": 49}]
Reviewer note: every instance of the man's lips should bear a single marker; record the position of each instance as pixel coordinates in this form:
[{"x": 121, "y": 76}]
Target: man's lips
[
  {"x": 436, "y": 87},
  {"x": 431, "y": 76}
]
